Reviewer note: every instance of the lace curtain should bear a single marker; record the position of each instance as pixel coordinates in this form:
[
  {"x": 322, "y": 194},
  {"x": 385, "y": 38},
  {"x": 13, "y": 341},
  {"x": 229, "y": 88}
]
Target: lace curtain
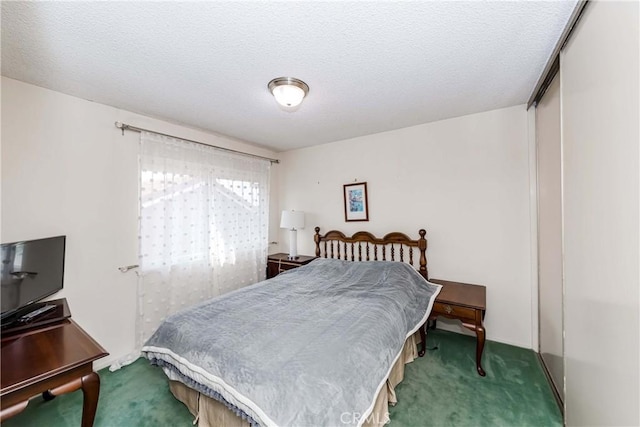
[{"x": 204, "y": 219}]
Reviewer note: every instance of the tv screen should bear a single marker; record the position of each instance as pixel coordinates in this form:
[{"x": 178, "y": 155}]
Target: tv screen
[{"x": 31, "y": 270}]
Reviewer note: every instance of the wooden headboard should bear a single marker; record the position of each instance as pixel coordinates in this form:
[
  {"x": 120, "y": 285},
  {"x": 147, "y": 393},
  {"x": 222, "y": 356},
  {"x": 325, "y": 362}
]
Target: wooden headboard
[{"x": 364, "y": 246}]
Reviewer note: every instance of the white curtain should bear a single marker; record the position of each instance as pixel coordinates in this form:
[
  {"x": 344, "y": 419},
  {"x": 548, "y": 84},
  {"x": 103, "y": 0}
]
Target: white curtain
[{"x": 204, "y": 217}]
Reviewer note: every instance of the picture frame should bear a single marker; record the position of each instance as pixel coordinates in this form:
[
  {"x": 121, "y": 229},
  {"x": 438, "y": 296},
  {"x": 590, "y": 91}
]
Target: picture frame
[{"x": 356, "y": 204}]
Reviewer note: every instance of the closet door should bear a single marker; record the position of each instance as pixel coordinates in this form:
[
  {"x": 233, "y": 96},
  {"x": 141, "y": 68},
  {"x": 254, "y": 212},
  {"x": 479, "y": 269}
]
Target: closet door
[
  {"x": 601, "y": 183},
  {"x": 550, "y": 286}
]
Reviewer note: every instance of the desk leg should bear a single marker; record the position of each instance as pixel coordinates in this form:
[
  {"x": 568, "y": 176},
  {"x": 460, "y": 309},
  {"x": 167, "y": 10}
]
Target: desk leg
[
  {"x": 9, "y": 412},
  {"x": 90, "y": 392},
  {"x": 478, "y": 328},
  {"x": 479, "y": 349}
]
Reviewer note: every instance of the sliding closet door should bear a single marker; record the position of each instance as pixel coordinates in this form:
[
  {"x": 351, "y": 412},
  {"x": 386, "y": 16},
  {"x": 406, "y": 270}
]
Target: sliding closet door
[
  {"x": 548, "y": 136},
  {"x": 600, "y": 134}
]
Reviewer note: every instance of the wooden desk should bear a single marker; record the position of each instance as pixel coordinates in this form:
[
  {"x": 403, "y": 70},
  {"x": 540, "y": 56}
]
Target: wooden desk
[
  {"x": 56, "y": 358},
  {"x": 466, "y": 303}
]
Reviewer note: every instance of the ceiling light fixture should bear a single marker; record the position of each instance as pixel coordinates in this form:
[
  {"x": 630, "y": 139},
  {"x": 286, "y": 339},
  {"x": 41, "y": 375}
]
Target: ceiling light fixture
[{"x": 288, "y": 91}]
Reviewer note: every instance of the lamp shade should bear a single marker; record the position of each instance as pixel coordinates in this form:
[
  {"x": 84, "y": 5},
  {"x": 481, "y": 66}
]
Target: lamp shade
[
  {"x": 292, "y": 220},
  {"x": 288, "y": 95}
]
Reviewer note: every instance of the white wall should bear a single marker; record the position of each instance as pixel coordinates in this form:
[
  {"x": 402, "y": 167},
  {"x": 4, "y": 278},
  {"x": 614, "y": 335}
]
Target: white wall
[
  {"x": 465, "y": 180},
  {"x": 601, "y": 186},
  {"x": 67, "y": 170}
]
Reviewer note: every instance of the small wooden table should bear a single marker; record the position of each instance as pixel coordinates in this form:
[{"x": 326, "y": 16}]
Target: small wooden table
[
  {"x": 277, "y": 263},
  {"x": 466, "y": 303},
  {"x": 55, "y": 359}
]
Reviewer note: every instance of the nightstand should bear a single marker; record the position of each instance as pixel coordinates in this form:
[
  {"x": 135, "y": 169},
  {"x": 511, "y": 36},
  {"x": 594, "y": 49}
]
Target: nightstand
[
  {"x": 277, "y": 263},
  {"x": 466, "y": 303}
]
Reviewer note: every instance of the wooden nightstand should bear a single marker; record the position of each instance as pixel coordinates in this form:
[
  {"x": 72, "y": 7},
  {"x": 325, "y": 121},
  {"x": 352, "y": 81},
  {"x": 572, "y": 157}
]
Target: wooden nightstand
[
  {"x": 466, "y": 303},
  {"x": 277, "y": 263}
]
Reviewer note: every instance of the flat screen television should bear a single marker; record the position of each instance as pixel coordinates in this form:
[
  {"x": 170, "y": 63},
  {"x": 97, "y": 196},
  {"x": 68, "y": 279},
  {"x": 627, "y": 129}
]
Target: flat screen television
[{"x": 31, "y": 270}]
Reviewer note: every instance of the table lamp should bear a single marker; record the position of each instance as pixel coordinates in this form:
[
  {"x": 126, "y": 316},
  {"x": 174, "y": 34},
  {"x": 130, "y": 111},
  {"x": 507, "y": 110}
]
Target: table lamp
[{"x": 292, "y": 220}]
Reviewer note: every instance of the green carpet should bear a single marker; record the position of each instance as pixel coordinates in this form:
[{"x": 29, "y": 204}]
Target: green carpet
[
  {"x": 440, "y": 389},
  {"x": 444, "y": 389}
]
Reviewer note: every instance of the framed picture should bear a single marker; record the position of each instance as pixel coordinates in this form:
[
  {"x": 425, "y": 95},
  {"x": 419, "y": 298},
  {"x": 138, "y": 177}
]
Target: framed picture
[{"x": 355, "y": 202}]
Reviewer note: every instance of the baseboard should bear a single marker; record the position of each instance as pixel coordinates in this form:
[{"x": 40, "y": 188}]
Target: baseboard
[
  {"x": 105, "y": 362},
  {"x": 451, "y": 325},
  {"x": 552, "y": 384}
]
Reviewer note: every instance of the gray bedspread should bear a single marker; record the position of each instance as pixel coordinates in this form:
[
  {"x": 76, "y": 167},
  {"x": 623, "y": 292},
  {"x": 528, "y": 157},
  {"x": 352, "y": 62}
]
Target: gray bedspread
[{"x": 310, "y": 347}]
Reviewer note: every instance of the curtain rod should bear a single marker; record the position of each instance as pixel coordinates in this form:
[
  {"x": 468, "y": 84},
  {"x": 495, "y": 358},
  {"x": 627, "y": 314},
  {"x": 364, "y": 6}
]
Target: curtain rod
[{"x": 124, "y": 126}]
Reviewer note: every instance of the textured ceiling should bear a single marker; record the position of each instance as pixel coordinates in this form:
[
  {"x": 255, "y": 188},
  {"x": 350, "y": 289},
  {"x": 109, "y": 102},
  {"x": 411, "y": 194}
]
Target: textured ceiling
[{"x": 371, "y": 66}]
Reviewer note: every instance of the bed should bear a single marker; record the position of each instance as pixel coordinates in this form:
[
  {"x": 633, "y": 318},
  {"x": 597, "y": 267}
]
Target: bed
[{"x": 322, "y": 344}]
